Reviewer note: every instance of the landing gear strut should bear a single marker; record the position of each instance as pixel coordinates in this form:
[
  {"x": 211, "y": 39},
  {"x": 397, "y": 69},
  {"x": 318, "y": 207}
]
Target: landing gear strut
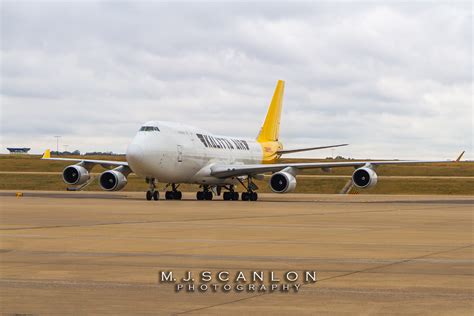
[
  {"x": 205, "y": 194},
  {"x": 250, "y": 195},
  {"x": 231, "y": 195},
  {"x": 152, "y": 193},
  {"x": 174, "y": 194}
]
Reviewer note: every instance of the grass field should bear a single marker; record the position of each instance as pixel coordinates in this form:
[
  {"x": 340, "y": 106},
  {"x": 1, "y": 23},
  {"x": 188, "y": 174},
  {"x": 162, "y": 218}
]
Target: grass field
[{"x": 32, "y": 163}]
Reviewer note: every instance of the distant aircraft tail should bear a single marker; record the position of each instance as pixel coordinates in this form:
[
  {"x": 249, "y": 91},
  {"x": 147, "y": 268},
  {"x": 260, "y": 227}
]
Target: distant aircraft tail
[{"x": 271, "y": 127}]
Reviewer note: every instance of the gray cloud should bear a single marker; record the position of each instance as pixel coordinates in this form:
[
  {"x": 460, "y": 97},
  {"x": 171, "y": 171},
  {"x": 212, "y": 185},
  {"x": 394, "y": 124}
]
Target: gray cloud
[{"x": 394, "y": 80}]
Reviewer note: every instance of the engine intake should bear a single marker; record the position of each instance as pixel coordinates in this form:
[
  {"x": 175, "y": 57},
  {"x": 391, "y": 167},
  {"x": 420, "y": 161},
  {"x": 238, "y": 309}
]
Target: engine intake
[
  {"x": 112, "y": 180},
  {"x": 364, "y": 178},
  {"x": 75, "y": 175},
  {"x": 282, "y": 182}
]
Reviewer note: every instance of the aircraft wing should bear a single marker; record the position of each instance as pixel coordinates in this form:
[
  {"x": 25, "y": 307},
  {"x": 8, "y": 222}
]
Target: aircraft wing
[
  {"x": 103, "y": 163},
  {"x": 225, "y": 171}
]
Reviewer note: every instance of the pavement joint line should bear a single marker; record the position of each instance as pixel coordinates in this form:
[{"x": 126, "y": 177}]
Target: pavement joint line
[
  {"x": 329, "y": 278},
  {"x": 220, "y": 304},
  {"x": 395, "y": 263}
]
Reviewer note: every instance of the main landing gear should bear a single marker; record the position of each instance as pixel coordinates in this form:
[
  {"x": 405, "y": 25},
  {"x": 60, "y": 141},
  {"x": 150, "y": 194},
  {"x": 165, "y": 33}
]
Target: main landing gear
[
  {"x": 205, "y": 194},
  {"x": 231, "y": 195},
  {"x": 174, "y": 194},
  {"x": 152, "y": 193},
  {"x": 250, "y": 195}
]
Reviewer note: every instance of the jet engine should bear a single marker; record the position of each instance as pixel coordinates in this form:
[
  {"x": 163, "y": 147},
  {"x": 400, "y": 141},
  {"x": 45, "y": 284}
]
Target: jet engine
[
  {"x": 364, "y": 178},
  {"x": 282, "y": 182},
  {"x": 112, "y": 180},
  {"x": 75, "y": 175}
]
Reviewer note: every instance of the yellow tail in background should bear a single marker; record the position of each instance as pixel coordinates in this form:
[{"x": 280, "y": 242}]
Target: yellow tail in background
[{"x": 270, "y": 131}]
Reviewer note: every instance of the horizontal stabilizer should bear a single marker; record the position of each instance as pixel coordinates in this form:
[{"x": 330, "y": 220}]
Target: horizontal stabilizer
[{"x": 290, "y": 151}]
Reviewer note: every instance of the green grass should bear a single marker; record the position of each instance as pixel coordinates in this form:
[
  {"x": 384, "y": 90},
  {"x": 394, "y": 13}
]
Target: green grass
[
  {"x": 32, "y": 163},
  {"x": 22, "y": 163},
  {"x": 305, "y": 185}
]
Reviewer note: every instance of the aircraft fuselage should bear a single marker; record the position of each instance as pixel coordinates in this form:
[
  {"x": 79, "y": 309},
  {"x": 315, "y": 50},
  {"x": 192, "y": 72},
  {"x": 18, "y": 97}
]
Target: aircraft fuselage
[{"x": 178, "y": 153}]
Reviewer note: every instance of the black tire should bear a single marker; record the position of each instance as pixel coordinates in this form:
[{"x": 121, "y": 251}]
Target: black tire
[
  {"x": 156, "y": 195},
  {"x": 148, "y": 195},
  {"x": 177, "y": 195},
  {"x": 227, "y": 196},
  {"x": 169, "y": 195},
  {"x": 208, "y": 195},
  {"x": 245, "y": 196},
  {"x": 200, "y": 195},
  {"x": 235, "y": 196},
  {"x": 253, "y": 196}
]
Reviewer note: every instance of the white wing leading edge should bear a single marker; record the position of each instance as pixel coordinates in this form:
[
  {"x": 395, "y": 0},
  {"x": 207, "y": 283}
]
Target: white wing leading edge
[
  {"x": 103, "y": 163},
  {"x": 225, "y": 171}
]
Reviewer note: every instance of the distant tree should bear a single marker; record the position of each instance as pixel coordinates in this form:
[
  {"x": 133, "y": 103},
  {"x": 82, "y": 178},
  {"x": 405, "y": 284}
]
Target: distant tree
[{"x": 100, "y": 153}]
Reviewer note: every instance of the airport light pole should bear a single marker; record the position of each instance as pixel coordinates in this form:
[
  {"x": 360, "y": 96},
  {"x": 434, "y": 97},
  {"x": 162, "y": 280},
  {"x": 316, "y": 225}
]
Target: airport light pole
[{"x": 57, "y": 144}]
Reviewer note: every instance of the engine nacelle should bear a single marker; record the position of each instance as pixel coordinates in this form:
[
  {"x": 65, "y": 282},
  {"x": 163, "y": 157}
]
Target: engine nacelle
[
  {"x": 364, "y": 178},
  {"x": 75, "y": 175},
  {"x": 282, "y": 182},
  {"x": 112, "y": 180}
]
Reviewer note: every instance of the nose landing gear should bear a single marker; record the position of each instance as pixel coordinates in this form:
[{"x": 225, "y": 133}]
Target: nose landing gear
[{"x": 152, "y": 193}]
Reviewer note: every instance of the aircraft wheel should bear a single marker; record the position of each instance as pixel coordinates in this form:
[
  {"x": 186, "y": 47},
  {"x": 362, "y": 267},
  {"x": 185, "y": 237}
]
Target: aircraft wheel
[
  {"x": 208, "y": 195},
  {"x": 149, "y": 195},
  {"x": 227, "y": 196},
  {"x": 245, "y": 196},
  {"x": 200, "y": 195},
  {"x": 177, "y": 195},
  {"x": 253, "y": 196},
  {"x": 156, "y": 195},
  {"x": 235, "y": 196},
  {"x": 169, "y": 195}
]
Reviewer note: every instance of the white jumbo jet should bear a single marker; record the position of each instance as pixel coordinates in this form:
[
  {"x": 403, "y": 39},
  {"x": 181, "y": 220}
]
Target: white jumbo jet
[{"x": 176, "y": 153}]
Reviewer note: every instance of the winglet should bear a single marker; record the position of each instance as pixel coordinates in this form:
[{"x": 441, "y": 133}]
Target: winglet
[
  {"x": 47, "y": 154},
  {"x": 460, "y": 156}
]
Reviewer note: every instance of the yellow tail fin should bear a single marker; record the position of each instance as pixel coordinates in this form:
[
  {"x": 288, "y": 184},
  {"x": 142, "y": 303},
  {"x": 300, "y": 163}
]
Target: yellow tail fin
[
  {"x": 47, "y": 154},
  {"x": 271, "y": 127}
]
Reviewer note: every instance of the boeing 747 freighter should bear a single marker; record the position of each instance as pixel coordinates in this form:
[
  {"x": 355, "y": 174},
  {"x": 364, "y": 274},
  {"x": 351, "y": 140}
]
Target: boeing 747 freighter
[{"x": 176, "y": 153}]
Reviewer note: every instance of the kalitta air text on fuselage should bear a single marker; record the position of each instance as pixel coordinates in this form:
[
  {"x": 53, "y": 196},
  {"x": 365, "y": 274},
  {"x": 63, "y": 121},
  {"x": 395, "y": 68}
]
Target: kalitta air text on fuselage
[{"x": 238, "y": 281}]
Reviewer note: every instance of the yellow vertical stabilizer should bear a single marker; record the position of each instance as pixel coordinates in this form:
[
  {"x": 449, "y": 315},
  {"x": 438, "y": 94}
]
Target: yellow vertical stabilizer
[
  {"x": 269, "y": 133},
  {"x": 271, "y": 127}
]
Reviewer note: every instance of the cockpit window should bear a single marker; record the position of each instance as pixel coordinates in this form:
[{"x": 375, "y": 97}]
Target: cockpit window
[{"x": 149, "y": 129}]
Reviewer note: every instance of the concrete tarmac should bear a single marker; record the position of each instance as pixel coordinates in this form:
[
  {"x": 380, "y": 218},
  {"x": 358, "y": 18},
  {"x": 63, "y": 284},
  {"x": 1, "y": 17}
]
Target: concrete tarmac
[{"x": 101, "y": 253}]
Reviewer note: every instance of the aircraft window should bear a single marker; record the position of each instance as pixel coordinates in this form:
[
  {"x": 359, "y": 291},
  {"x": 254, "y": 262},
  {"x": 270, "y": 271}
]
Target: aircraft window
[{"x": 149, "y": 129}]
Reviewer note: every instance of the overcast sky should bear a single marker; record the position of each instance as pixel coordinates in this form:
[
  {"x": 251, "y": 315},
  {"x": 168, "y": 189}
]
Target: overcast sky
[{"x": 393, "y": 80}]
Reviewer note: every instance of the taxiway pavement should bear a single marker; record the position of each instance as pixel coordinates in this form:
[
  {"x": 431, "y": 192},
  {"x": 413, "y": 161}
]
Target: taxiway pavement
[{"x": 101, "y": 253}]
